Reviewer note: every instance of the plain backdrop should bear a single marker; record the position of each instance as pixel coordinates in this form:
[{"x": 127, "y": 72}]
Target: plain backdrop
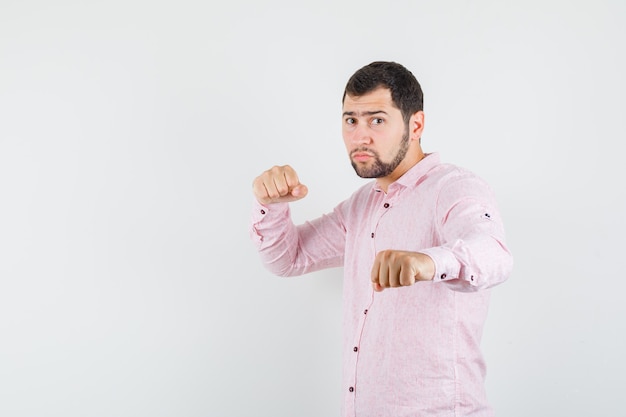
[{"x": 131, "y": 131}]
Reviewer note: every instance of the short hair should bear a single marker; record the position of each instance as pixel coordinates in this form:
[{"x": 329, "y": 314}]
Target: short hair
[{"x": 406, "y": 92}]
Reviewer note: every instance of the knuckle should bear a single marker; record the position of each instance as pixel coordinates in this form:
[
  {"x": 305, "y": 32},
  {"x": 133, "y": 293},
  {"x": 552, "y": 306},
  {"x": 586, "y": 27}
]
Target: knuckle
[
  {"x": 259, "y": 181},
  {"x": 406, "y": 280},
  {"x": 282, "y": 189},
  {"x": 275, "y": 170}
]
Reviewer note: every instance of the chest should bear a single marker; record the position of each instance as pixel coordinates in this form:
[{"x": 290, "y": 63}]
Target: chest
[{"x": 403, "y": 221}]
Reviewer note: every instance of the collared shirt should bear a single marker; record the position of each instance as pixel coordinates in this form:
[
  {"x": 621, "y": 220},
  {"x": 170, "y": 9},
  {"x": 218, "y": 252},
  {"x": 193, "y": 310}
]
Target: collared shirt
[{"x": 408, "y": 351}]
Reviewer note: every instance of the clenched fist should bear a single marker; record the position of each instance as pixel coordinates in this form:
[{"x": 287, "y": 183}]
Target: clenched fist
[
  {"x": 393, "y": 268},
  {"x": 279, "y": 184}
]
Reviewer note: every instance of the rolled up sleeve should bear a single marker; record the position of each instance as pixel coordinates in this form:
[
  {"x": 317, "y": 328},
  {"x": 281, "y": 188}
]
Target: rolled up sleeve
[{"x": 473, "y": 254}]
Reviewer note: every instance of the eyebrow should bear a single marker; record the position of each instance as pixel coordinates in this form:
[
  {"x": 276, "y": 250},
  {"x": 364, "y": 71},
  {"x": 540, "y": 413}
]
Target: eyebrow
[{"x": 365, "y": 113}]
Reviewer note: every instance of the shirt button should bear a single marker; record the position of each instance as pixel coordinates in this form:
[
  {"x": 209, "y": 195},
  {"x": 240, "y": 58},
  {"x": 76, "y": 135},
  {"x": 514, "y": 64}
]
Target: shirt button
[
  {"x": 365, "y": 312},
  {"x": 262, "y": 211},
  {"x": 351, "y": 389},
  {"x": 372, "y": 235},
  {"x": 472, "y": 278},
  {"x": 356, "y": 349},
  {"x": 443, "y": 276},
  {"x": 386, "y": 205}
]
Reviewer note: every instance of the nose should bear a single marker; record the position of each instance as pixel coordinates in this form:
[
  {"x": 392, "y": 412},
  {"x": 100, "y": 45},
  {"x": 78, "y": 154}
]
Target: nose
[{"x": 361, "y": 135}]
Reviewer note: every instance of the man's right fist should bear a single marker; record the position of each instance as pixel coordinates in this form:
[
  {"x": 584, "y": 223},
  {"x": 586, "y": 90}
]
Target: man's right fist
[{"x": 278, "y": 185}]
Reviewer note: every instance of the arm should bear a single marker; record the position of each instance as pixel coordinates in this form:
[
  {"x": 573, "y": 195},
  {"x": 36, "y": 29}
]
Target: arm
[
  {"x": 471, "y": 255},
  {"x": 286, "y": 249}
]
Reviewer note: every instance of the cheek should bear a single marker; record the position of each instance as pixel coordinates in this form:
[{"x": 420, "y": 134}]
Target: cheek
[
  {"x": 346, "y": 139},
  {"x": 388, "y": 148}
]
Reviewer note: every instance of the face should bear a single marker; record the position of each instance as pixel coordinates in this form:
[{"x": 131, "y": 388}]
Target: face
[{"x": 375, "y": 135}]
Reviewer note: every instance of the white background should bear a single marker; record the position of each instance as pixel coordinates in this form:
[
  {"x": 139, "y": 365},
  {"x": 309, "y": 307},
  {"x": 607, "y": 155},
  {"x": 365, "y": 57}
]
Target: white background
[{"x": 130, "y": 132}]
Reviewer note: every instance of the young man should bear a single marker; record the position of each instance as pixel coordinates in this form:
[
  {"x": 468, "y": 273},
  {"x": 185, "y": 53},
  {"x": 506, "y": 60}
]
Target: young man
[{"x": 420, "y": 246}]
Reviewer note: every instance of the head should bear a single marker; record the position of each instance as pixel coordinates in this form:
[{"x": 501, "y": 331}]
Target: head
[
  {"x": 406, "y": 92},
  {"x": 383, "y": 121}
]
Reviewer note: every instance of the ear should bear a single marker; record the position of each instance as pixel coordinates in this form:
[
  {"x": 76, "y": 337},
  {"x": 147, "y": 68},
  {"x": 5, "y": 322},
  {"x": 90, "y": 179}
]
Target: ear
[{"x": 416, "y": 125}]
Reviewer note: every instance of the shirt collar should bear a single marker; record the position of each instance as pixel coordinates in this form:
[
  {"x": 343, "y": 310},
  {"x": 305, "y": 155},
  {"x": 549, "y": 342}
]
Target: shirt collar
[{"x": 412, "y": 176}]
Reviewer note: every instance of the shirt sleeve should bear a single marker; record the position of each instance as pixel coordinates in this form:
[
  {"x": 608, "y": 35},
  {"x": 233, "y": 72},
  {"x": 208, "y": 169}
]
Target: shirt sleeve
[
  {"x": 473, "y": 254},
  {"x": 288, "y": 250}
]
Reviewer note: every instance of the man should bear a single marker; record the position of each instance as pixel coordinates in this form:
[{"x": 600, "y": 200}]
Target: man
[{"x": 420, "y": 246}]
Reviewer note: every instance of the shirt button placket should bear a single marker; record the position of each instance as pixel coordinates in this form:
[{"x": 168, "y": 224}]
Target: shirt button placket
[
  {"x": 356, "y": 349},
  {"x": 380, "y": 214}
]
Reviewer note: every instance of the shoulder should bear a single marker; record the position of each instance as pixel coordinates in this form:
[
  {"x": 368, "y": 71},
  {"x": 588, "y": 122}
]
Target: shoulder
[
  {"x": 455, "y": 184},
  {"x": 448, "y": 175}
]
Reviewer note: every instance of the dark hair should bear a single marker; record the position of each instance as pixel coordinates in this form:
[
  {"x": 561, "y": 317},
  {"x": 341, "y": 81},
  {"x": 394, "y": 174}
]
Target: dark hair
[{"x": 406, "y": 92}]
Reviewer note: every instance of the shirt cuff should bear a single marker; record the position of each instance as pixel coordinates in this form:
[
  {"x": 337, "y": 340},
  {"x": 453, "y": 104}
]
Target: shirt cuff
[
  {"x": 261, "y": 211},
  {"x": 447, "y": 267},
  {"x": 266, "y": 218}
]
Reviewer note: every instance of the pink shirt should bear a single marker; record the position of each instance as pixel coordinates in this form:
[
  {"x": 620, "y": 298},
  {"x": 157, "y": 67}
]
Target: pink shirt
[{"x": 410, "y": 351}]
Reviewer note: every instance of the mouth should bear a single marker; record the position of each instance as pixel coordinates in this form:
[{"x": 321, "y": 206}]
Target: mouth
[{"x": 361, "y": 156}]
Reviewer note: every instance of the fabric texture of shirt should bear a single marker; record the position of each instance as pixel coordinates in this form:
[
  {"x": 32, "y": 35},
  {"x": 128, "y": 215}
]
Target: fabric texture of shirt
[{"x": 407, "y": 351}]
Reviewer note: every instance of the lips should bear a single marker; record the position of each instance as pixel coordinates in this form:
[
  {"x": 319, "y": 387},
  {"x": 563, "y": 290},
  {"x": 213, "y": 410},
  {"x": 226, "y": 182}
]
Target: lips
[{"x": 361, "y": 156}]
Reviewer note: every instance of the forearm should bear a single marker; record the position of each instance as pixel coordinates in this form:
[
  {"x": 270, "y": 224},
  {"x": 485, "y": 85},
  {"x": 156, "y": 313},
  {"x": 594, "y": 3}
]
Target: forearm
[
  {"x": 472, "y": 253},
  {"x": 477, "y": 262},
  {"x": 274, "y": 236},
  {"x": 289, "y": 250}
]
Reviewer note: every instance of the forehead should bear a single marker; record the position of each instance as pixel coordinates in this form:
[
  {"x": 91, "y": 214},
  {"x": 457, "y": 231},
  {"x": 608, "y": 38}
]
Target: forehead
[{"x": 379, "y": 99}]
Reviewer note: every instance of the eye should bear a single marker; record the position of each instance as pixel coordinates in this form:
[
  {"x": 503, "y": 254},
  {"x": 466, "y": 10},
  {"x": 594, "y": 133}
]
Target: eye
[
  {"x": 350, "y": 121},
  {"x": 377, "y": 121}
]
